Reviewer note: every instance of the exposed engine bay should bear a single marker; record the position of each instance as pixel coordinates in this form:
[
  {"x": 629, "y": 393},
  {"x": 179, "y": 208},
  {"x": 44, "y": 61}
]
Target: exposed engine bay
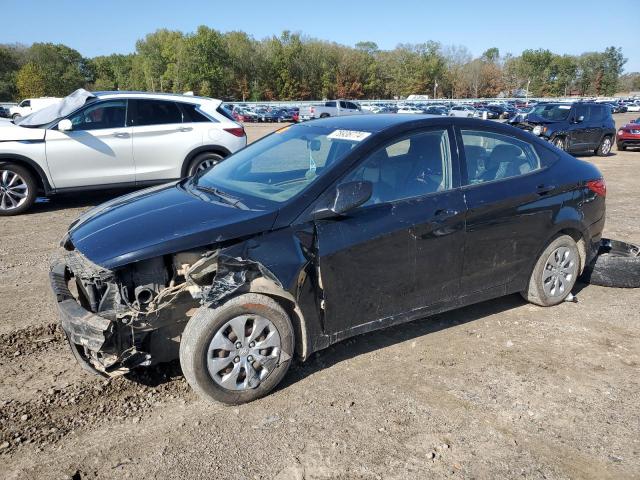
[{"x": 141, "y": 309}]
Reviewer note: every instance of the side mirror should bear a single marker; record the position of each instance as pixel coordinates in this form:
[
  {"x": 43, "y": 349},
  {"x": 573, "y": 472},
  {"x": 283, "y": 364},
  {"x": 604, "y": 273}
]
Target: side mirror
[
  {"x": 347, "y": 197},
  {"x": 65, "y": 125}
]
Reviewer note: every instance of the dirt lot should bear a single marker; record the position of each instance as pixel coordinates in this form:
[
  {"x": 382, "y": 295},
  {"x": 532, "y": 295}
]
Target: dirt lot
[{"x": 498, "y": 390}]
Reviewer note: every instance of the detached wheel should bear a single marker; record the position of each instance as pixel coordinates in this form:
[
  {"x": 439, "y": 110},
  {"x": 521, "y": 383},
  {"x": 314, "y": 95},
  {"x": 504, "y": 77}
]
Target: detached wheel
[
  {"x": 555, "y": 273},
  {"x": 605, "y": 147},
  {"x": 560, "y": 143},
  {"x": 203, "y": 162},
  {"x": 239, "y": 351},
  {"x": 17, "y": 189}
]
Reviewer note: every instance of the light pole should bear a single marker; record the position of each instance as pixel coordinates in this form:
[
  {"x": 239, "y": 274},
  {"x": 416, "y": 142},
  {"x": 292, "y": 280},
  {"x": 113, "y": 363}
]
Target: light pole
[
  {"x": 527, "y": 94},
  {"x": 435, "y": 86}
]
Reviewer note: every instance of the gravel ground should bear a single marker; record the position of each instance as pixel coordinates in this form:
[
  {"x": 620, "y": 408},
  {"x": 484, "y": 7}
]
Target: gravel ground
[{"x": 502, "y": 389}]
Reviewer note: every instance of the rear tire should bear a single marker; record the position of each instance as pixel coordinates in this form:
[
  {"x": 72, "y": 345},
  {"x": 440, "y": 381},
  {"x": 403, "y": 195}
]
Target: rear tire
[
  {"x": 622, "y": 148},
  {"x": 205, "y": 365},
  {"x": 555, "y": 273},
  {"x": 203, "y": 162},
  {"x": 18, "y": 189},
  {"x": 604, "y": 149},
  {"x": 324, "y": 115}
]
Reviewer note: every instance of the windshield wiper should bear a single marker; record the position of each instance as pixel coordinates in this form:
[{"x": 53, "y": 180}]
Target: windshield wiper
[{"x": 225, "y": 197}]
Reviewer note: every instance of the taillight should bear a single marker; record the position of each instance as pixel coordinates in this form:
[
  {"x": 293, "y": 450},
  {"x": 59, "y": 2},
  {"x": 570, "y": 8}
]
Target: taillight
[
  {"x": 598, "y": 187},
  {"x": 237, "y": 131},
  {"x": 312, "y": 110}
]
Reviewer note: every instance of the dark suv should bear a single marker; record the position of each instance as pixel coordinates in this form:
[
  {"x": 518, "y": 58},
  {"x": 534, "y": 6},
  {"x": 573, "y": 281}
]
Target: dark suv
[{"x": 573, "y": 127}]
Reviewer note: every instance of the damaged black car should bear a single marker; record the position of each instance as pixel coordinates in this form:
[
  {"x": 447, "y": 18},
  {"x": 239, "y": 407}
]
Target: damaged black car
[{"x": 318, "y": 232}]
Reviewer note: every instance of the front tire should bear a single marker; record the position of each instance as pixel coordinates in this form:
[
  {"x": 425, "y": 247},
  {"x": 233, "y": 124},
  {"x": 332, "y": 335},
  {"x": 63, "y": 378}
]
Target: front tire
[
  {"x": 560, "y": 142},
  {"x": 203, "y": 162},
  {"x": 18, "y": 189},
  {"x": 555, "y": 273},
  {"x": 239, "y": 351}
]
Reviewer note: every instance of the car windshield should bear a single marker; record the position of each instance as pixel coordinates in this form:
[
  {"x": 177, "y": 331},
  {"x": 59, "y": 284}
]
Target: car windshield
[
  {"x": 280, "y": 166},
  {"x": 553, "y": 113}
]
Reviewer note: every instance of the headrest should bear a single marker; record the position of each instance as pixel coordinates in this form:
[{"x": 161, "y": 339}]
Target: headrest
[{"x": 503, "y": 153}]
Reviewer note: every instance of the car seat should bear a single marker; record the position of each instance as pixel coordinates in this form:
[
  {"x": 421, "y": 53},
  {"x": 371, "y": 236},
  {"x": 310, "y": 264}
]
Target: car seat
[{"x": 504, "y": 162}]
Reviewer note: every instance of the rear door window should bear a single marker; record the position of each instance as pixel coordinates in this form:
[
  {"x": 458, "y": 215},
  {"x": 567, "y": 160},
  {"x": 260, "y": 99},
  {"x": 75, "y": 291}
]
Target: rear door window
[
  {"x": 154, "y": 112},
  {"x": 493, "y": 156}
]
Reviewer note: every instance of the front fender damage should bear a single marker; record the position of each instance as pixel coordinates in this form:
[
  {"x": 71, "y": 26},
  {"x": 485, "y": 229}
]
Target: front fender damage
[{"x": 138, "y": 312}]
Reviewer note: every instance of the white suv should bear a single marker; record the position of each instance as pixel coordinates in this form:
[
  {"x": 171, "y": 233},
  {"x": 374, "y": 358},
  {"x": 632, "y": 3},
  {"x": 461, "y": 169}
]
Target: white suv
[{"x": 111, "y": 139}]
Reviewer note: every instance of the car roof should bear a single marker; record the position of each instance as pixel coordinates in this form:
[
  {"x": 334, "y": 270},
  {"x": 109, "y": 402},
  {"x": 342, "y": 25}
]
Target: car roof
[
  {"x": 370, "y": 123},
  {"x": 162, "y": 95}
]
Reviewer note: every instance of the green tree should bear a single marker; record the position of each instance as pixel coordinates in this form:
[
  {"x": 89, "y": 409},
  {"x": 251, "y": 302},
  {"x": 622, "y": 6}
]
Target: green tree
[
  {"x": 31, "y": 81},
  {"x": 62, "y": 68},
  {"x": 202, "y": 57}
]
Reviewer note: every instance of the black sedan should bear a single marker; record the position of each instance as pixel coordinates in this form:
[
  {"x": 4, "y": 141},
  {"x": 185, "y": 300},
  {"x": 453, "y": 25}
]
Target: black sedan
[{"x": 318, "y": 232}]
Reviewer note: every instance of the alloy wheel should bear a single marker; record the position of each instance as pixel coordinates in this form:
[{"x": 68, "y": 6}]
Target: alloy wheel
[
  {"x": 206, "y": 164},
  {"x": 606, "y": 146},
  {"x": 559, "y": 142},
  {"x": 243, "y": 352},
  {"x": 560, "y": 272},
  {"x": 14, "y": 190}
]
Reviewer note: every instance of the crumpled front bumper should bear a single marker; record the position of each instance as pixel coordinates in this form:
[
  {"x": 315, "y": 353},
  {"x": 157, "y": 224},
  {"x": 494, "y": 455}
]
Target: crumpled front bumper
[{"x": 81, "y": 326}]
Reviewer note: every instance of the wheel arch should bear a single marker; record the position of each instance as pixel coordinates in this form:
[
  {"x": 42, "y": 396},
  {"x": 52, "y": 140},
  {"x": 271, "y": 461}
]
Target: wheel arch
[
  {"x": 218, "y": 149},
  {"x": 575, "y": 230},
  {"x": 265, "y": 286},
  {"x": 36, "y": 170}
]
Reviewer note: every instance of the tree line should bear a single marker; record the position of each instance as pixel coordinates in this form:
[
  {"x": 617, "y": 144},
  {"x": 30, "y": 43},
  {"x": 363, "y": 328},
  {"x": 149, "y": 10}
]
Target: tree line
[{"x": 290, "y": 66}]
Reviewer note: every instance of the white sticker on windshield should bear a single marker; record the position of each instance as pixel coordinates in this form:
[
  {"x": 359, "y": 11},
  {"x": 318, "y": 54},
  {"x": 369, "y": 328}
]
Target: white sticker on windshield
[
  {"x": 350, "y": 135},
  {"x": 564, "y": 107}
]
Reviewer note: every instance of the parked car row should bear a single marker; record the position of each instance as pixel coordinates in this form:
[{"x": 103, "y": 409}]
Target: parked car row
[{"x": 245, "y": 114}]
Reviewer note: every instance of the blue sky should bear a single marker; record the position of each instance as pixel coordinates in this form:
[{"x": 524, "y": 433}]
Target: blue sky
[{"x": 565, "y": 26}]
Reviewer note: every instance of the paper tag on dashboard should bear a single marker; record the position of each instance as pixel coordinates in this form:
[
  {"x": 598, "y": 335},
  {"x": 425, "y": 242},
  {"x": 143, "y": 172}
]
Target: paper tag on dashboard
[{"x": 350, "y": 135}]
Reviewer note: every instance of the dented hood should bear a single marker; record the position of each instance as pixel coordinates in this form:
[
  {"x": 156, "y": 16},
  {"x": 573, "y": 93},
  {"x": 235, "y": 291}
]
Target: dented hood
[
  {"x": 12, "y": 133},
  {"x": 158, "y": 221}
]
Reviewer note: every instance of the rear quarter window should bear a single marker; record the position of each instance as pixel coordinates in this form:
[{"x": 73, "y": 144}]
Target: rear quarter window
[
  {"x": 547, "y": 156},
  {"x": 191, "y": 114}
]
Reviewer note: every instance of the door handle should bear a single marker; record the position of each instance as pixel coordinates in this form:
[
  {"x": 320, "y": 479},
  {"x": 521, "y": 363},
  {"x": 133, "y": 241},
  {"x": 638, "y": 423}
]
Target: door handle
[
  {"x": 444, "y": 214},
  {"x": 185, "y": 129},
  {"x": 544, "y": 189},
  {"x": 121, "y": 135}
]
